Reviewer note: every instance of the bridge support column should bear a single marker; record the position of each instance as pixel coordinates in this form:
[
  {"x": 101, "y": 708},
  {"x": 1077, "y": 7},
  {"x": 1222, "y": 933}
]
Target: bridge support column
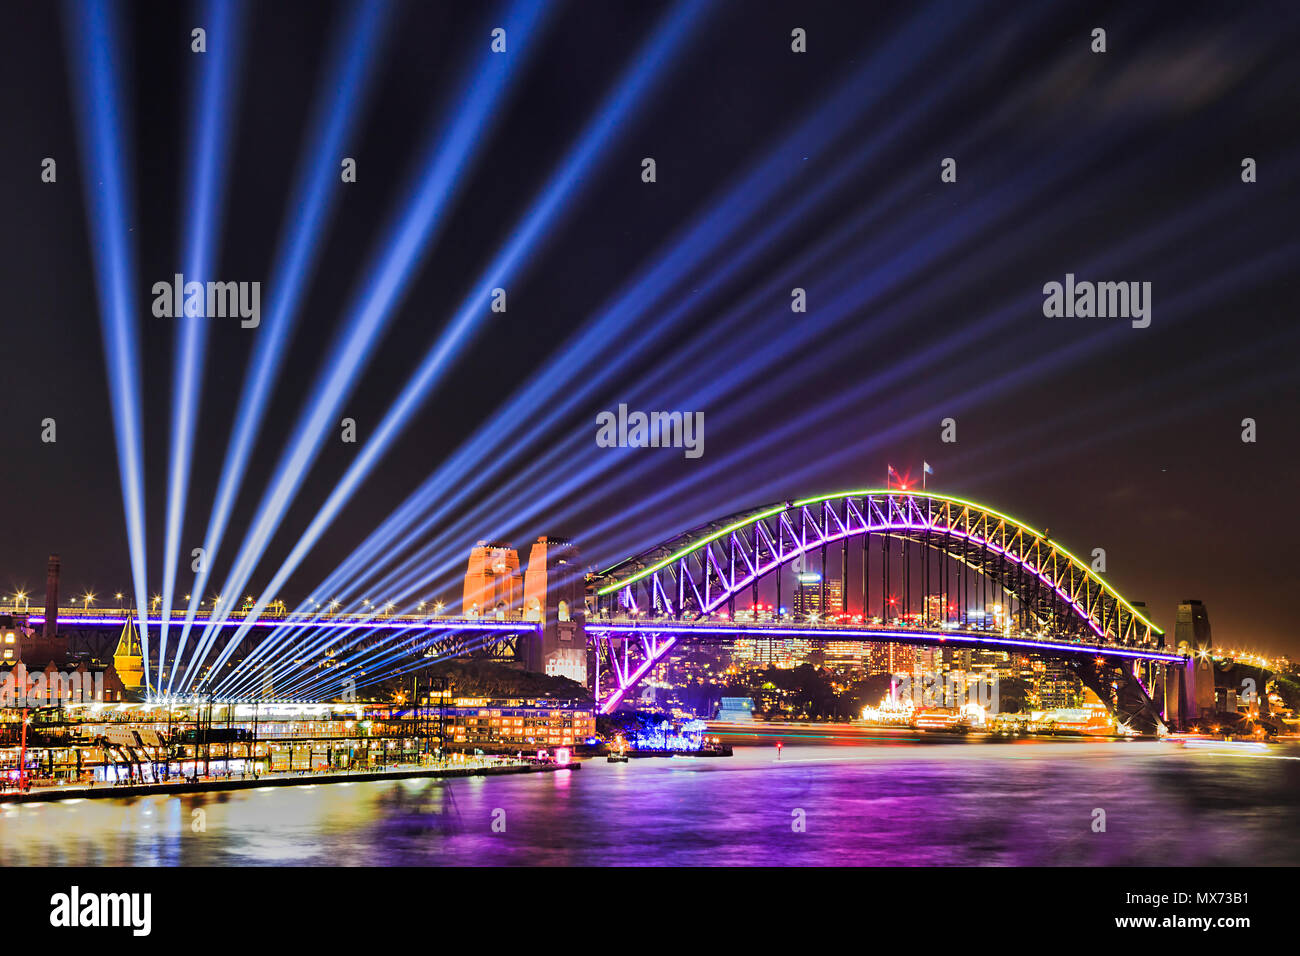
[
  {"x": 1201, "y": 678},
  {"x": 555, "y": 596},
  {"x": 1180, "y": 695}
]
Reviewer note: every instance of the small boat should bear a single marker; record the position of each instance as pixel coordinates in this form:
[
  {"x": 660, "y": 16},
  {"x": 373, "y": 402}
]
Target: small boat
[{"x": 616, "y": 758}]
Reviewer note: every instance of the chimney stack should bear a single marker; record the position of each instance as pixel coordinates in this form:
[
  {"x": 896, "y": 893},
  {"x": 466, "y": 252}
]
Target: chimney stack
[{"x": 51, "y": 597}]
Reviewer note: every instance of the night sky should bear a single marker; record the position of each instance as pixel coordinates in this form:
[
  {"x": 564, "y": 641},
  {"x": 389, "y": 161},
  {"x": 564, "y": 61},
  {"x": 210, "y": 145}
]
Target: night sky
[{"x": 818, "y": 170}]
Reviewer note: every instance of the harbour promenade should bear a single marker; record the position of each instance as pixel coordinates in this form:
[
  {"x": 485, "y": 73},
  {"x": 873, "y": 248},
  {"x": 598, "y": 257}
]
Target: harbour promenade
[{"x": 484, "y": 766}]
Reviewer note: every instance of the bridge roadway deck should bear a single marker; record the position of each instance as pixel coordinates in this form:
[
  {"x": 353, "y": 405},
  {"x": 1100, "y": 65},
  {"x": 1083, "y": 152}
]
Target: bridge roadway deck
[
  {"x": 944, "y": 637},
  {"x": 117, "y": 617},
  {"x": 705, "y": 629}
]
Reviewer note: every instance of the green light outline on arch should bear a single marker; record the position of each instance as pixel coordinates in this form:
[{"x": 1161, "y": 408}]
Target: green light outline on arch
[{"x": 803, "y": 503}]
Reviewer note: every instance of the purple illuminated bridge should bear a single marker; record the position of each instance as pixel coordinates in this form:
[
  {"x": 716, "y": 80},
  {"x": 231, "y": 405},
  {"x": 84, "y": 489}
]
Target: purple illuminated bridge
[{"x": 880, "y": 565}]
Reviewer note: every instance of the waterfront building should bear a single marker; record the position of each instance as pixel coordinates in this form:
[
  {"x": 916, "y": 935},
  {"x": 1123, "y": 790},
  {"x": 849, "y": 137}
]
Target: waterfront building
[
  {"x": 144, "y": 742},
  {"x": 517, "y": 722},
  {"x": 39, "y": 670}
]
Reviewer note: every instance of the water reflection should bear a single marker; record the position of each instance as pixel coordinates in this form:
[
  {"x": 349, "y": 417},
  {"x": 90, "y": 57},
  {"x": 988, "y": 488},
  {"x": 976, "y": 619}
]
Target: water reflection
[{"x": 1027, "y": 803}]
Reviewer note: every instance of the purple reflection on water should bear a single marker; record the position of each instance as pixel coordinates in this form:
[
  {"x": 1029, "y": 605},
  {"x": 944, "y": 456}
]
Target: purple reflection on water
[{"x": 965, "y": 804}]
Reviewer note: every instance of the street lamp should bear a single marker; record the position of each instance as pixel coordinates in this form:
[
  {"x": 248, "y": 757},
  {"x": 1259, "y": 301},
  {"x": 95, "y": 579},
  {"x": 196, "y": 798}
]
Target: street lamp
[
  {"x": 118, "y": 595},
  {"x": 86, "y": 599}
]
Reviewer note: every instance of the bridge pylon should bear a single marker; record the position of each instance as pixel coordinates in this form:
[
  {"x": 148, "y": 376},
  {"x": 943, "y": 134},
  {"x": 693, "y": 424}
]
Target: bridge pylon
[{"x": 555, "y": 596}]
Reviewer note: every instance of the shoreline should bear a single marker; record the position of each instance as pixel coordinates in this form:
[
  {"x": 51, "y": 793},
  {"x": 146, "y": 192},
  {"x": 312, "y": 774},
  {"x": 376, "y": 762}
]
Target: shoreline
[
  {"x": 812, "y": 732},
  {"x": 109, "y": 792}
]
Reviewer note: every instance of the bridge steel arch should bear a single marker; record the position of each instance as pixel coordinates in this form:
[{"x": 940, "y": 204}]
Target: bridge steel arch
[{"x": 699, "y": 571}]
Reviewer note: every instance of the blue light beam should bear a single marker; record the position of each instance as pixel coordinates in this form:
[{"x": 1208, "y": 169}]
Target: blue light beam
[
  {"x": 215, "y": 93},
  {"x": 95, "y": 52}
]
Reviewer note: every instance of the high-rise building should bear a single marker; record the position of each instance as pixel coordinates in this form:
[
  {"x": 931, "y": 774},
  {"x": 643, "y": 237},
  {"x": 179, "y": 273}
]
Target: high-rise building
[
  {"x": 1058, "y": 687},
  {"x": 808, "y": 595},
  {"x": 846, "y": 652},
  {"x": 901, "y": 658},
  {"x": 878, "y": 658},
  {"x": 935, "y": 610},
  {"x": 492, "y": 583}
]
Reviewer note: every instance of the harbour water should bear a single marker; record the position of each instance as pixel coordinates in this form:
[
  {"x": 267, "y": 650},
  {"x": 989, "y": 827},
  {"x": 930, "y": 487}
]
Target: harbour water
[{"x": 1025, "y": 803}]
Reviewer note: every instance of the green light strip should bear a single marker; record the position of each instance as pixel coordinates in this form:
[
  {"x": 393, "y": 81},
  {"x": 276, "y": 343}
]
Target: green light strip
[{"x": 871, "y": 492}]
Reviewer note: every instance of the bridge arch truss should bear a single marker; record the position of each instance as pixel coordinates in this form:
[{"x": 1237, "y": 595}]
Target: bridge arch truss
[{"x": 706, "y": 569}]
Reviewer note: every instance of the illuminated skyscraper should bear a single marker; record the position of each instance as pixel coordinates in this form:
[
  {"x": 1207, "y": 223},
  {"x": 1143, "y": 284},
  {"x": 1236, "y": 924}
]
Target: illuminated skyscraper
[
  {"x": 808, "y": 595},
  {"x": 1058, "y": 686}
]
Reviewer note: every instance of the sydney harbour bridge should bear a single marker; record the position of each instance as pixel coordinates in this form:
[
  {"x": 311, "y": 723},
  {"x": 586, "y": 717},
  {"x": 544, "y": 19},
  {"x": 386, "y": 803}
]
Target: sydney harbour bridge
[{"x": 920, "y": 568}]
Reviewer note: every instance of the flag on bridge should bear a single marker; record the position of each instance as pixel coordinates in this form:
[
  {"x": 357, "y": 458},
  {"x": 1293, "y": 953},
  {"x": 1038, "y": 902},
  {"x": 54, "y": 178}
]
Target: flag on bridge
[
  {"x": 893, "y": 474},
  {"x": 925, "y": 470}
]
